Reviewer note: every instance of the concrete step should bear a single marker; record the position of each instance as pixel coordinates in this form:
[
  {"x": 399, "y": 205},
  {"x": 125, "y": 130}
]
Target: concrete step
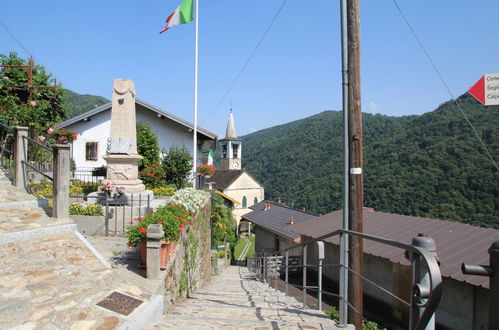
[
  {"x": 235, "y": 299},
  {"x": 13, "y": 196},
  {"x": 206, "y": 322}
]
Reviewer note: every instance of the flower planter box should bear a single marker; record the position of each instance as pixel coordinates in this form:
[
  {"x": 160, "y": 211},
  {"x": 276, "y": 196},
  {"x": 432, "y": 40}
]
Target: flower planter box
[{"x": 166, "y": 251}]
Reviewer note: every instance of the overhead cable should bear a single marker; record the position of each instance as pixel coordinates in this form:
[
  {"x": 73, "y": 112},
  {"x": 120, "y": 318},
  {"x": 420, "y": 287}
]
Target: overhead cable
[
  {"x": 247, "y": 61},
  {"x": 445, "y": 83}
]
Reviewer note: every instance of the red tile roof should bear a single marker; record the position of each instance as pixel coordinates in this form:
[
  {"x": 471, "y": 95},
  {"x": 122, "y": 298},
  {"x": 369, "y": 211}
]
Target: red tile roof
[{"x": 456, "y": 242}]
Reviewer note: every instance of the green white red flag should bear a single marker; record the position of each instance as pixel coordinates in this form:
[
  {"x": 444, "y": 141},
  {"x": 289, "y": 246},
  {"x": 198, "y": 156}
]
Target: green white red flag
[
  {"x": 183, "y": 14},
  {"x": 210, "y": 158}
]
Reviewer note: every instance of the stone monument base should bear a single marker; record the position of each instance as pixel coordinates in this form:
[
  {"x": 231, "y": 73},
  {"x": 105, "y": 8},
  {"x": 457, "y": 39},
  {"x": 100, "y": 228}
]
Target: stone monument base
[{"x": 122, "y": 171}]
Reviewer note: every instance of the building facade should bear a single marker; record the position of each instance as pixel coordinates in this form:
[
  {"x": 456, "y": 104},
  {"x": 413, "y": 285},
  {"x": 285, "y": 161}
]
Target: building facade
[{"x": 93, "y": 128}]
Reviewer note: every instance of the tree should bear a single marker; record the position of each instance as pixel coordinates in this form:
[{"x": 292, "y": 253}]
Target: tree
[
  {"x": 224, "y": 224},
  {"x": 147, "y": 145},
  {"x": 177, "y": 164},
  {"x": 25, "y": 104}
]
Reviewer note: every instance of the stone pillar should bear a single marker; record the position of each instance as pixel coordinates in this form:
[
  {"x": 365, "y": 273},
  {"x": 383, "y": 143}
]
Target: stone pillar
[
  {"x": 122, "y": 158},
  {"x": 154, "y": 235},
  {"x": 60, "y": 208},
  {"x": 20, "y": 155}
]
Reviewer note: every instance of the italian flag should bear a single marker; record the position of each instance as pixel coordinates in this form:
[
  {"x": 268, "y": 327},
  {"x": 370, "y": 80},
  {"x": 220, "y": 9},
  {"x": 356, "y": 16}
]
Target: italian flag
[
  {"x": 183, "y": 14},
  {"x": 210, "y": 158}
]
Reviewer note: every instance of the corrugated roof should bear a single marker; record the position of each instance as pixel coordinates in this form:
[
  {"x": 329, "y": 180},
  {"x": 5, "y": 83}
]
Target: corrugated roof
[
  {"x": 276, "y": 218},
  {"x": 146, "y": 105},
  {"x": 456, "y": 242}
]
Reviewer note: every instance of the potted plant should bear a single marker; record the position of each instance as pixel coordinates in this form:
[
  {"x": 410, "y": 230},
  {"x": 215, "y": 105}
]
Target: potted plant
[
  {"x": 174, "y": 219},
  {"x": 206, "y": 170},
  {"x": 62, "y": 135}
]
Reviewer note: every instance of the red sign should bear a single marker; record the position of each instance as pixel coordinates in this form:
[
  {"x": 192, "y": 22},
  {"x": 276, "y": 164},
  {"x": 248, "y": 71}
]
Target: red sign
[{"x": 486, "y": 90}]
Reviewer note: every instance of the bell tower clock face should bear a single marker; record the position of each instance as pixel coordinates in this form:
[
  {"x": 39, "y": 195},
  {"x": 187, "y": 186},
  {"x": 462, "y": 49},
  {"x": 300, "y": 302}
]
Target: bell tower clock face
[{"x": 235, "y": 165}]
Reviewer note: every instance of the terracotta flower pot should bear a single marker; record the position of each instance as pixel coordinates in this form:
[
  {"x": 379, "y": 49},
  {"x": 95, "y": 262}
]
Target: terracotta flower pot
[{"x": 166, "y": 250}]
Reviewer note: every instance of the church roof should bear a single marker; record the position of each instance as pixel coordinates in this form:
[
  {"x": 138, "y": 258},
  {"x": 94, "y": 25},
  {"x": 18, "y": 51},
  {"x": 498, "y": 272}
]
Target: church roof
[
  {"x": 230, "y": 133},
  {"x": 222, "y": 179}
]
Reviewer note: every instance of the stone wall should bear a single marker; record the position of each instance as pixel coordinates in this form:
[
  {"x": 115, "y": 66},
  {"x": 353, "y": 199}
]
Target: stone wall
[{"x": 191, "y": 265}]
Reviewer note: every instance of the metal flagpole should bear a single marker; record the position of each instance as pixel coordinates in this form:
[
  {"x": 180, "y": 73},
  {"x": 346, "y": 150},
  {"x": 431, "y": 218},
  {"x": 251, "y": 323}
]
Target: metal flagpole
[
  {"x": 343, "y": 304},
  {"x": 195, "y": 137}
]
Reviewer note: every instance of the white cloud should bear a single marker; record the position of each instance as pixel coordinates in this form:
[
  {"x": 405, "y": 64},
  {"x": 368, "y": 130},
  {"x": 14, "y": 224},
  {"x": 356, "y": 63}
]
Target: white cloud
[{"x": 372, "y": 108}]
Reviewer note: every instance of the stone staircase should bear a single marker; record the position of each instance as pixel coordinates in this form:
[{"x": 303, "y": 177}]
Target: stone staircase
[
  {"x": 51, "y": 277},
  {"x": 235, "y": 299}
]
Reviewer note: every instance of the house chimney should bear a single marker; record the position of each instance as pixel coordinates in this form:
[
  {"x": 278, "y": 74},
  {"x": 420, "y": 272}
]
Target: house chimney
[{"x": 292, "y": 220}]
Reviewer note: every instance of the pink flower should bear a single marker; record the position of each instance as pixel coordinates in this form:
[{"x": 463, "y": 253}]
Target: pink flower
[{"x": 33, "y": 103}]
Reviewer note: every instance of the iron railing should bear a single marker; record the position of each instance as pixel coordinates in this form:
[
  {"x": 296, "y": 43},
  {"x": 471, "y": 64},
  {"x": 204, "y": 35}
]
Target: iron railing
[
  {"x": 426, "y": 289},
  {"x": 7, "y": 139},
  {"x": 119, "y": 212},
  {"x": 34, "y": 170},
  {"x": 87, "y": 174}
]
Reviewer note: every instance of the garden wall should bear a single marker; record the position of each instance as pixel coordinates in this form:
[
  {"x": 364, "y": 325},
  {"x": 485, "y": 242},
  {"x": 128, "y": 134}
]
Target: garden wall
[{"x": 191, "y": 265}]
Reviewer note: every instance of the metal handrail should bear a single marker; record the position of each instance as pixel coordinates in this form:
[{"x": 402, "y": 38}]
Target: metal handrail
[
  {"x": 8, "y": 128},
  {"x": 435, "y": 289},
  {"x": 37, "y": 143},
  {"x": 36, "y": 170}
]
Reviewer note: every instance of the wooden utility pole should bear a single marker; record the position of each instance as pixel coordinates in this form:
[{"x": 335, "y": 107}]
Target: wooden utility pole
[{"x": 356, "y": 177}]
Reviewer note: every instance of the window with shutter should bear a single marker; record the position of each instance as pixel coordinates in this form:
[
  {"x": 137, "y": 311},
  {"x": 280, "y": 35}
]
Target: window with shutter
[{"x": 91, "y": 150}]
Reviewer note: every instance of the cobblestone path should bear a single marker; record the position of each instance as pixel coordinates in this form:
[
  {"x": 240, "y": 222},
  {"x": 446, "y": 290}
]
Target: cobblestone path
[
  {"x": 236, "y": 300},
  {"x": 50, "y": 278}
]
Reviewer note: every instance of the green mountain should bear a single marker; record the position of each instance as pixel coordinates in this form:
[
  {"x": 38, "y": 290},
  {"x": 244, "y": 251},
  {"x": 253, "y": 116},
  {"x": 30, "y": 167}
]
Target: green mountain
[
  {"x": 429, "y": 165},
  {"x": 77, "y": 103}
]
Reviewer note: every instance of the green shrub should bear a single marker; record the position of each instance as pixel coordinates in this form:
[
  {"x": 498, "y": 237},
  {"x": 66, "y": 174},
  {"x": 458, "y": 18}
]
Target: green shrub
[
  {"x": 177, "y": 163},
  {"x": 334, "y": 314},
  {"x": 147, "y": 145}
]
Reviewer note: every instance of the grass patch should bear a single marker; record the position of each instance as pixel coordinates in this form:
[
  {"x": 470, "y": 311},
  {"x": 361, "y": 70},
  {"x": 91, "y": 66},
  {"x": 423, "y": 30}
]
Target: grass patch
[{"x": 238, "y": 249}]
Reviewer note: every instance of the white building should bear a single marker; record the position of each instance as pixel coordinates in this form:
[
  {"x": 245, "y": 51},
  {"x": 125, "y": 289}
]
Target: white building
[{"x": 93, "y": 128}]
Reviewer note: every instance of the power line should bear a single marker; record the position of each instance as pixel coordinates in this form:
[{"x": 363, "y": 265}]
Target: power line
[
  {"x": 16, "y": 40},
  {"x": 444, "y": 82},
  {"x": 247, "y": 61},
  {"x": 23, "y": 47}
]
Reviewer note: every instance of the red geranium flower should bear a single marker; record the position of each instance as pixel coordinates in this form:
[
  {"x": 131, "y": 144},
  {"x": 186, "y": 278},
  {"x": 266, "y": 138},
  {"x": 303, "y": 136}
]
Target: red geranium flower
[{"x": 143, "y": 230}]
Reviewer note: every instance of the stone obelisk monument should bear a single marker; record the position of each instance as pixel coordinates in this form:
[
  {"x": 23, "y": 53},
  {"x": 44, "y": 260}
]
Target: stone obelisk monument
[{"x": 122, "y": 158}]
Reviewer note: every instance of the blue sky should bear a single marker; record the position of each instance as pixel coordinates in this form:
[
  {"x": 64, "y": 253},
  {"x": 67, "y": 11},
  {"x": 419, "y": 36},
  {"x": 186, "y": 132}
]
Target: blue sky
[{"x": 295, "y": 73}]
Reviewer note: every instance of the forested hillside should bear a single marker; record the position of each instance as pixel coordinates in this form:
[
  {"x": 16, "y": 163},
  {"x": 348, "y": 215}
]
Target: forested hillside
[
  {"x": 78, "y": 103},
  {"x": 430, "y": 165}
]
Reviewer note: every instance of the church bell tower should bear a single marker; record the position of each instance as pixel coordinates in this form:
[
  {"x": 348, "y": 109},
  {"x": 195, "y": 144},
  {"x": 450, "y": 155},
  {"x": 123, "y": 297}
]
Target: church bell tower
[{"x": 230, "y": 147}]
